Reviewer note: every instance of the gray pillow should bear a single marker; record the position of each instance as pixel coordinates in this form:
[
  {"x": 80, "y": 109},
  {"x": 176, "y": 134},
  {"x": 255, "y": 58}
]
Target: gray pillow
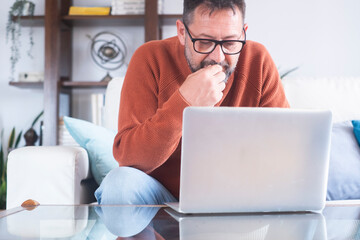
[{"x": 344, "y": 166}]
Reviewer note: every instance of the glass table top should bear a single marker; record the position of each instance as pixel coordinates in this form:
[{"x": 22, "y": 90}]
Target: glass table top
[{"x": 159, "y": 222}]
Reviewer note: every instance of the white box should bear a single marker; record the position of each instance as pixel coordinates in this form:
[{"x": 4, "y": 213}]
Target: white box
[{"x": 31, "y": 77}]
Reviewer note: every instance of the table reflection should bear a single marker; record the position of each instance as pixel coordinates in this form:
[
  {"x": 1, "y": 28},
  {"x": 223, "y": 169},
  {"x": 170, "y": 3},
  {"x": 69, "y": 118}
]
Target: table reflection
[
  {"x": 88, "y": 222},
  {"x": 253, "y": 226},
  {"x": 141, "y": 223},
  {"x": 342, "y": 222},
  {"x": 127, "y": 221}
]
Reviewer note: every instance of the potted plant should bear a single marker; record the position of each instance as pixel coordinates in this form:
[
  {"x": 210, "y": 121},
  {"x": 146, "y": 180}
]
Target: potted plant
[{"x": 13, "y": 30}]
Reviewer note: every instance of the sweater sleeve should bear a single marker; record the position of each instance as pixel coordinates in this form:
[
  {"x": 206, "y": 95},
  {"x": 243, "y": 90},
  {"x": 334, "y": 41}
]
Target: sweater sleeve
[
  {"x": 147, "y": 134},
  {"x": 272, "y": 91}
]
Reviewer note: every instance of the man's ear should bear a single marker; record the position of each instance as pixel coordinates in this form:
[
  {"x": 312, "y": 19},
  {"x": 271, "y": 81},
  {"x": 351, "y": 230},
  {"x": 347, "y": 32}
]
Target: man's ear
[
  {"x": 180, "y": 31},
  {"x": 246, "y": 27}
]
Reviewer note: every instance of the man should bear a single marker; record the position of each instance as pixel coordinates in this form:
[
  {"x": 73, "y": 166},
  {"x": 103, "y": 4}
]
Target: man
[{"x": 209, "y": 63}]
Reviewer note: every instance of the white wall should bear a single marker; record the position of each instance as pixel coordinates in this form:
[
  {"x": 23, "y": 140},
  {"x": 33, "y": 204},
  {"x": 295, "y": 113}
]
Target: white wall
[{"x": 321, "y": 37}]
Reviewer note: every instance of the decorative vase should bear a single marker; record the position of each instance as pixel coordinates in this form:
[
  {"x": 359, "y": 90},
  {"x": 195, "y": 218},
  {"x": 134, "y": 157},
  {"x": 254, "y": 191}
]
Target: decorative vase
[
  {"x": 30, "y": 137},
  {"x": 28, "y": 9}
]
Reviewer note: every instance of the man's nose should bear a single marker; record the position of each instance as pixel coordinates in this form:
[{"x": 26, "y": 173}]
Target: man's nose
[{"x": 217, "y": 55}]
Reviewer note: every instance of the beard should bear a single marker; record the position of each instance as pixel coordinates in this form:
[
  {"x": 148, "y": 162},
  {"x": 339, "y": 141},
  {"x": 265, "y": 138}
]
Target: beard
[{"x": 195, "y": 67}]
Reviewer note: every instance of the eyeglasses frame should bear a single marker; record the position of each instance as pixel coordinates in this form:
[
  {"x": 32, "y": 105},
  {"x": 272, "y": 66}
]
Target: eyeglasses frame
[{"x": 193, "y": 40}]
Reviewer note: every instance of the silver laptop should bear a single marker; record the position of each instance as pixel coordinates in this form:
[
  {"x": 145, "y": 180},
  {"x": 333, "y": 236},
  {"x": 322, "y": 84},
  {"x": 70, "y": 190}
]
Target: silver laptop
[
  {"x": 252, "y": 226},
  {"x": 253, "y": 160}
]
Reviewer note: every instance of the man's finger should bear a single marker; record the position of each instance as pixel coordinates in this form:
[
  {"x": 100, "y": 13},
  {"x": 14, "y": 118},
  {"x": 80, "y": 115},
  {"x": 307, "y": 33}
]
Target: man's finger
[
  {"x": 220, "y": 77},
  {"x": 213, "y": 69},
  {"x": 222, "y": 86}
]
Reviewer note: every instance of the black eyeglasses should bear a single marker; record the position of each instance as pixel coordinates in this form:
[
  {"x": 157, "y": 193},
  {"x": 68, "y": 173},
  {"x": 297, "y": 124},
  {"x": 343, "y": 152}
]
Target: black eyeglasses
[{"x": 206, "y": 46}]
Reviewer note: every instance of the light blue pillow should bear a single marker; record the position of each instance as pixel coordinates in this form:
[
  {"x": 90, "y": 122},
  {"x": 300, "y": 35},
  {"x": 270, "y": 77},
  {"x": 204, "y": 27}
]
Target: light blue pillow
[
  {"x": 97, "y": 141},
  {"x": 344, "y": 166},
  {"x": 356, "y": 124}
]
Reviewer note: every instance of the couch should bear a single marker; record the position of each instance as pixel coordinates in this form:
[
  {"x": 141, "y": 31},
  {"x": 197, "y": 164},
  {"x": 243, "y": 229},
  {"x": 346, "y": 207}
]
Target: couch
[{"x": 62, "y": 174}]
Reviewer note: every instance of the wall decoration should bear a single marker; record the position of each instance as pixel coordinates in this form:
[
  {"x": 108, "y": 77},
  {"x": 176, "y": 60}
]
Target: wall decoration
[{"x": 108, "y": 51}]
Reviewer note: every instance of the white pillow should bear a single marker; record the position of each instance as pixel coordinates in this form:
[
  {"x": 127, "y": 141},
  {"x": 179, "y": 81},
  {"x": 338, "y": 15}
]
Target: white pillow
[{"x": 112, "y": 103}]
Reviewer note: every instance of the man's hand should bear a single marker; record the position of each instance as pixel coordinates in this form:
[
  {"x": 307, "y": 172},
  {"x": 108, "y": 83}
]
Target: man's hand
[{"x": 204, "y": 87}]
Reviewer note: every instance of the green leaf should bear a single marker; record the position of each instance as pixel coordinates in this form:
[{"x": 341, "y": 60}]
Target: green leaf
[
  {"x": 18, "y": 140},
  {"x": 2, "y": 135},
  {"x": 37, "y": 118},
  {"x": 2, "y": 159},
  {"x": 2, "y": 165},
  {"x": 11, "y": 138},
  {"x": 3, "y": 195},
  {"x": 288, "y": 72}
]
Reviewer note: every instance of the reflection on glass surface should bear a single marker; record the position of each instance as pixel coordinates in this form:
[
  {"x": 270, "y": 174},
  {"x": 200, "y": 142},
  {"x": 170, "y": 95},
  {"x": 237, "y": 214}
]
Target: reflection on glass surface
[
  {"x": 79, "y": 222},
  {"x": 255, "y": 226},
  {"x": 46, "y": 222},
  {"x": 126, "y": 221},
  {"x": 130, "y": 222},
  {"x": 342, "y": 222}
]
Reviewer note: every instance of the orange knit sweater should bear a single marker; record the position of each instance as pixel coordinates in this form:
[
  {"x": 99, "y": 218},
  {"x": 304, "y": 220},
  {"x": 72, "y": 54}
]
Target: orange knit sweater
[{"x": 150, "y": 116}]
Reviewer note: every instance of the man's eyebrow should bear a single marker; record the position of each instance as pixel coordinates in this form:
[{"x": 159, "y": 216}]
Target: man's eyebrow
[{"x": 204, "y": 35}]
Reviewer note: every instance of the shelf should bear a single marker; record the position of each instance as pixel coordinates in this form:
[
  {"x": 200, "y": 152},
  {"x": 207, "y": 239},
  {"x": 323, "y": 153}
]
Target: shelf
[
  {"x": 98, "y": 17},
  {"x": 112, "y": 17},
  {"x": 64, "y": 84},
  {"x": 32, "y": 21},
  {"x": 108, "y": 20},
  {"x": 83, "y": 84},
  {"x": 96, "y": 20},
  {"x": 115, "y": 20},
  {"x": 27, "y": 85}
]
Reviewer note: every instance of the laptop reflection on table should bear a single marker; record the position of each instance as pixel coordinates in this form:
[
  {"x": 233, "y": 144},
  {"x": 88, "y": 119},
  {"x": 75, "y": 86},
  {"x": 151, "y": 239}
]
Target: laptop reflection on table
[{"x": 304, "y": 226}]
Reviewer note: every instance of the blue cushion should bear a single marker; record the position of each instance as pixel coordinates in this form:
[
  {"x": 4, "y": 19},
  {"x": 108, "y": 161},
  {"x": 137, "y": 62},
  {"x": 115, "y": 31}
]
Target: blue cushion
[
  {"x": 356, "y": 124},
  {"x": 97, "y": 141},
  {"x": 344, "y": 166}
]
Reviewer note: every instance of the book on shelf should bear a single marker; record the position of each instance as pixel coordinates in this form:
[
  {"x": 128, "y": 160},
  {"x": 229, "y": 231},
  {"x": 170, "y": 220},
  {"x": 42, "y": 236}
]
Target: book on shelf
[
  {"x": 97, "y": 108},
  {"x": 89, "y": 10},
  {"x": 65, "y": 139},
  {"x": 122, "y": 7}
]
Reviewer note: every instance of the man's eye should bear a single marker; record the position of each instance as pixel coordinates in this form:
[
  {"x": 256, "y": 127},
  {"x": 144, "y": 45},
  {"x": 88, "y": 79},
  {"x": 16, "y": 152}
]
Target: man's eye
[
  {"x": 205, "y": 43},
  {"x": 230, "y": 44}
]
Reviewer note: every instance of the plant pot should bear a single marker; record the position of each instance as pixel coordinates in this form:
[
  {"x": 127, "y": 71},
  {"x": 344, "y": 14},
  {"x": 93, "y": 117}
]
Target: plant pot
[
  {"x": 28, "y": 9},
  {"x": 22, "y": 8},
  {"x": 30, "y": 137}
]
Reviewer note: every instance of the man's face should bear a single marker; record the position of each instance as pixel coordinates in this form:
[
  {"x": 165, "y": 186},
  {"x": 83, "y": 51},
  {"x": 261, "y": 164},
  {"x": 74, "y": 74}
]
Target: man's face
[{"x": 219, "y": 25}]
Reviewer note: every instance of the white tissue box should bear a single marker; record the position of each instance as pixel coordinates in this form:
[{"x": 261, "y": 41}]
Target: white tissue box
[{"x": 31, "y": 77}]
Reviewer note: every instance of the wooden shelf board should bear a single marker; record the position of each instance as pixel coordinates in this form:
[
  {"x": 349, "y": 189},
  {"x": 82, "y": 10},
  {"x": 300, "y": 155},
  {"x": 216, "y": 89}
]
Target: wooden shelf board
[
  {"x": 93, "y": 19},
  {"x": 97, "y": 17},
  {"x": 34, "y": 21},
  {"x": 83, "y": 84},
  {"x": 108, "y": 20},
  {"x": 28, "y": 85},
  {"x": 64, "y": 84}
]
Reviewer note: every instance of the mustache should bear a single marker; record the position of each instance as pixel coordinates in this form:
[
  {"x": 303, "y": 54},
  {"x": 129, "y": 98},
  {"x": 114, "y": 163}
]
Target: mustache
[{"x": 223, "y": 64}]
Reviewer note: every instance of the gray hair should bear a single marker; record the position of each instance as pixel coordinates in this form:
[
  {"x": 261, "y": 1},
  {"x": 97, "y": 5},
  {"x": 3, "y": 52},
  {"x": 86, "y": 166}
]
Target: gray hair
[{"x": 211, "y": 5}]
